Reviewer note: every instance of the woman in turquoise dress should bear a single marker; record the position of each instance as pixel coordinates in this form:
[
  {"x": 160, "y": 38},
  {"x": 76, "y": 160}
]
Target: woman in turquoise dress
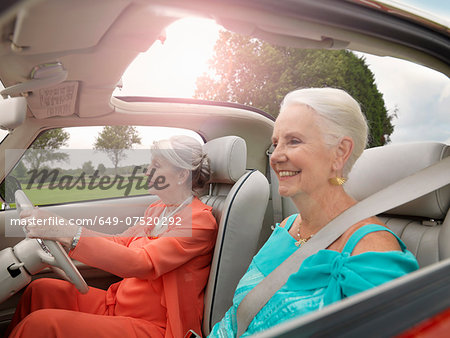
[{"x": 318, "y": 136}]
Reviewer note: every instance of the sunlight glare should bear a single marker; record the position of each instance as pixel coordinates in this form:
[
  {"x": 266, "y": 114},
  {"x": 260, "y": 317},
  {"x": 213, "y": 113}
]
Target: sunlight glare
[{"x": 170, "y": 69}]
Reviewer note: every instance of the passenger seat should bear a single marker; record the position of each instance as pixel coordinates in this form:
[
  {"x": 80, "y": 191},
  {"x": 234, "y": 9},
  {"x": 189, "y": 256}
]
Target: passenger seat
[{"x": 423, "y": 224}]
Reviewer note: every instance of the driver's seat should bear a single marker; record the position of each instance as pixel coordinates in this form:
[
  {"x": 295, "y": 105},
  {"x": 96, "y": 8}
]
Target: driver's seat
[{"x": 239, "y": 199}]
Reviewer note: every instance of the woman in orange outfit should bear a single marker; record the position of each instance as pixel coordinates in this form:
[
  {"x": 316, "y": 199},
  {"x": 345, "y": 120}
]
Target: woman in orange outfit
[{"x": 164, "y": 264}]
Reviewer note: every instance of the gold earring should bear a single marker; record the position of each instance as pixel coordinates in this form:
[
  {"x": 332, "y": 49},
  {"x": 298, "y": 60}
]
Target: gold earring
[{"x": 337, "y": 180}]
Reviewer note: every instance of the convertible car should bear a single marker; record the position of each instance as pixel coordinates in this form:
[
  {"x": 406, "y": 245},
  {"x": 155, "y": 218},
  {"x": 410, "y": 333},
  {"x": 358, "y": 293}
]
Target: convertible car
[{"x": 60, "y": 63}]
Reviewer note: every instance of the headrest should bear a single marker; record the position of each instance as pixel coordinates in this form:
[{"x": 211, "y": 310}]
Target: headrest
[
  {"x": 379, "y": 167},
  {"x": 228, "y": 158}
]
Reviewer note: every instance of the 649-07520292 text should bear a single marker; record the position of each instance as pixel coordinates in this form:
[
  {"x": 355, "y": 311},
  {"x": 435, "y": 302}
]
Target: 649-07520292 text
[{"x": 99, "y": 220}]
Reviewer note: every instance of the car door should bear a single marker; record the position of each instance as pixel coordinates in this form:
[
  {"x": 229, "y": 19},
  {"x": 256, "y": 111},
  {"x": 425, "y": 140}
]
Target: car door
[{"x": 81, "y": 185}]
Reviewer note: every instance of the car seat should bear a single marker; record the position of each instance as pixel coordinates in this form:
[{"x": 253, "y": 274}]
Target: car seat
[
  {"x": 239, "y": 199},
  {"x": 424, "y": 223}
]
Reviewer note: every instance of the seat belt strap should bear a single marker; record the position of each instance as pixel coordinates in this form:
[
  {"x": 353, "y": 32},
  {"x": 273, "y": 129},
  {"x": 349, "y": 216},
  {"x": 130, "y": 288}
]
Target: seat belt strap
[
  {"x": 277, "y": 205},
  {"x": 407, "y": 189}
]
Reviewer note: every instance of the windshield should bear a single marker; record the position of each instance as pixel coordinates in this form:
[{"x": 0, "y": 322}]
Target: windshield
[{"x": 416, "y": 98}]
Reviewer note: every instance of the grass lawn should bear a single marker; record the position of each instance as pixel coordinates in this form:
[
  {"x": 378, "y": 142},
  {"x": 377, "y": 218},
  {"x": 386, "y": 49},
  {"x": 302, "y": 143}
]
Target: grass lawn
[
  {"x": 45, "y": 196},
  {"x": 61, "y": 191}
]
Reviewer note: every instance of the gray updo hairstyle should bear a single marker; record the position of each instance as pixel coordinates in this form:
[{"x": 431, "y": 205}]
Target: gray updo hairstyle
[
  {"x": 185, "y": 152},
  {"x": 338, "y": 114}
]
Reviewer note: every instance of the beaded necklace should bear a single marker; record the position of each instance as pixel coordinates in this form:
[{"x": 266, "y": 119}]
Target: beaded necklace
[{"x": 301, "y": 240}]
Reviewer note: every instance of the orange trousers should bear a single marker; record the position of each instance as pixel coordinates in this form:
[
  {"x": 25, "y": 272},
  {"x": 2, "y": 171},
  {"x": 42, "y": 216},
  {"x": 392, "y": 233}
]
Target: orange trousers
[{"x": 55, "y": 308}]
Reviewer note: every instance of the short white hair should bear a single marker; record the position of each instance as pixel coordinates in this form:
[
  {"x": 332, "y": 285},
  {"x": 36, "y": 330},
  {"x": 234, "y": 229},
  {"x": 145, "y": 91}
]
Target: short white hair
[{"x": 339, "y": 115}]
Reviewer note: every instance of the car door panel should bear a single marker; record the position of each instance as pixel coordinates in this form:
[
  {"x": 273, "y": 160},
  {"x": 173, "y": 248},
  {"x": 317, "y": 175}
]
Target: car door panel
[{"x": 123, "y": 209}]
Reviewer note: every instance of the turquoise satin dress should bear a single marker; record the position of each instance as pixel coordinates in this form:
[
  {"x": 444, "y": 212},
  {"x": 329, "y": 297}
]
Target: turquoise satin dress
[{"x": 323, "y": 278}]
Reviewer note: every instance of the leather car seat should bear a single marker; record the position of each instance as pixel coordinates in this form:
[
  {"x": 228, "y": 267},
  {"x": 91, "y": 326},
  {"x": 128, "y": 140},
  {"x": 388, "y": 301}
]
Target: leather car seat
[{"x": 239, "y": 199}]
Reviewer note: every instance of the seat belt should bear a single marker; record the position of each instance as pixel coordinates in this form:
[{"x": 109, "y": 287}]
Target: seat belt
[
  {"x": 407, "y": 189},
  {"x": 276, "y": 198}
]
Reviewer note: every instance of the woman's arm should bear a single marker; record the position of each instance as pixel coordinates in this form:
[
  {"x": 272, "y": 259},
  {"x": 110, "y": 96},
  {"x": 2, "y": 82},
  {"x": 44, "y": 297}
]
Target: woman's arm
[
  {"x": 377, "y": 241},
  {"x": 107, "y": 254},
  {"x": 147, "y": 258}
]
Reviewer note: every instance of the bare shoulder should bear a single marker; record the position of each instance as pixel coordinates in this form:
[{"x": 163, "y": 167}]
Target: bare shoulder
[
  {"x": 283, "y": 223},
  {"x": 377, "y": 241},
  {"x": 374, "y": 241}
]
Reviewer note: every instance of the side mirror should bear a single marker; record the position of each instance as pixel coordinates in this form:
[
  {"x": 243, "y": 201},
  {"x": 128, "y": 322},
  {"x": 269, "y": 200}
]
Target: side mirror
[
  {"x": 13, "y": 111},
  {"x": 8, "y": 188}
]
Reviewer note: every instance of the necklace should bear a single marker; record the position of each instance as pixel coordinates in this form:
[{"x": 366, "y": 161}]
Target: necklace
[
  {"x": 300, "y": 239},
  {"x": 162, "y": 222}
]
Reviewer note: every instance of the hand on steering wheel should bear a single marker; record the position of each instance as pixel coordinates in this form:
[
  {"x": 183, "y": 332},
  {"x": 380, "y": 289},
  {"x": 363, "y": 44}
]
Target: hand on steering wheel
[
  {"x": 63, "y": 265},
  {"x": 52, "y": 253}
]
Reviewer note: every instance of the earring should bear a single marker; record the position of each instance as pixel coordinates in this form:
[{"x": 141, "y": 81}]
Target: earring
[
  {"x": 337, "y": 180},
  {"x": 179, "y": 182}
]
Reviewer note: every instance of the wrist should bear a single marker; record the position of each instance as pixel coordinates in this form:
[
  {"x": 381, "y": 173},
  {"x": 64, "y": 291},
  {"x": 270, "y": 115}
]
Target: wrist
[{"x": 76, "y": 238}]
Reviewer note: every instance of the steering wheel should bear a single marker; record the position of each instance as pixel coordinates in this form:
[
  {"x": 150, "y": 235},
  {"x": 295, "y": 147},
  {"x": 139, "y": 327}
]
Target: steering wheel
[{"x": 52, "y": 253}]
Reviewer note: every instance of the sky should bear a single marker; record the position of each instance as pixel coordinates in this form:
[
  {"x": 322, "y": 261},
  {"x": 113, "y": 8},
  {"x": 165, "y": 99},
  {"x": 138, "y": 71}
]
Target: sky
[
  {"x": 416, "y": 92},
  {"x": 172, "y": 67},
  {"x": 438, "y": 9}
]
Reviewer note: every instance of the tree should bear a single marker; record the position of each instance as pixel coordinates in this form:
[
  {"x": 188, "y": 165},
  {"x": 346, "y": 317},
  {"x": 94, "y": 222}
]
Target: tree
[
  {"x": 20, "y": 170},
  {"x": 256, "y": 73},
  {"x": 88, "y": 168},
  {"x": 114, "y": 140},
  {"x": 101, "y": 169},
  {"x": 43, "y": 148}
]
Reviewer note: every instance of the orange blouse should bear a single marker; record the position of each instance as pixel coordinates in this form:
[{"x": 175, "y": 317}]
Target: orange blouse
[{"x": 165, "y": 277}]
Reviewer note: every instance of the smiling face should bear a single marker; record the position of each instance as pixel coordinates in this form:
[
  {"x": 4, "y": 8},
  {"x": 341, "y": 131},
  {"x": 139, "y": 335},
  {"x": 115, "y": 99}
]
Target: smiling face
[{"x": 301, "y": 159}]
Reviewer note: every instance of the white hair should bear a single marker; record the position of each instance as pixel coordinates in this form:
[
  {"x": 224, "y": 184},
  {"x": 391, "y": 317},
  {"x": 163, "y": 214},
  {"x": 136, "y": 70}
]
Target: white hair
[
  {"x": 338, "y": 115},
  {"x": 185, "y": 152}
]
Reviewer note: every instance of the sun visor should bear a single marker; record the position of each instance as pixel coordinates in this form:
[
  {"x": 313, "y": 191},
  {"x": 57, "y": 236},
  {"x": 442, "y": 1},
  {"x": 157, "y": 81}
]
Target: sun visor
[
  {"x": 47, "y": 91},
  {"x": 53, "y": 25},
  {"x": 59, "y": 100}
]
